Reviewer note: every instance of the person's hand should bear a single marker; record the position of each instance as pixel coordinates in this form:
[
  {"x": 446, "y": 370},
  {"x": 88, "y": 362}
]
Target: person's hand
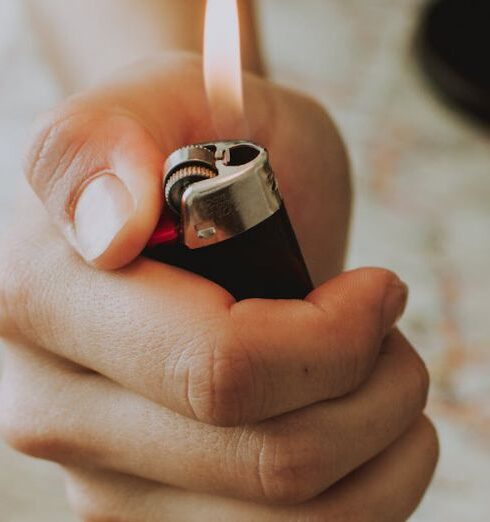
[{"x": 161, "y": 397}]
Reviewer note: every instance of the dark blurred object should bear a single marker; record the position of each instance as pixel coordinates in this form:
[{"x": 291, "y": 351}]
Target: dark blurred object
[{"x": 453, "y": 45}]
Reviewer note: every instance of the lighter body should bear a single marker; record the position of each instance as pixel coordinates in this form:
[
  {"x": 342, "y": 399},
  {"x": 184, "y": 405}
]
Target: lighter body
[{"x": 229, "y": 223}]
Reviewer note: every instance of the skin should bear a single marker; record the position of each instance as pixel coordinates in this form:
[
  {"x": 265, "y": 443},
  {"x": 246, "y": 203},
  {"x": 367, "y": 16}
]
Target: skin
[{"x": 162, "y": 398}]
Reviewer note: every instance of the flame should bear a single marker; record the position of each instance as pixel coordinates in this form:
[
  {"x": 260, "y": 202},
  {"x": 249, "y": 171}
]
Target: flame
[{"x": 223, "y": 67}]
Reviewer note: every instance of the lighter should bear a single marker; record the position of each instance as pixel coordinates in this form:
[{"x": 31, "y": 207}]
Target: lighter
[{"x": 225, "y": 220}]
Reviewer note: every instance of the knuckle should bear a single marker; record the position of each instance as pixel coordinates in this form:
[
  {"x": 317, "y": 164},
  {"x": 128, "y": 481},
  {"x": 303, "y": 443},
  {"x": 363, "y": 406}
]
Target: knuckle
[
  {"x": 19, "y": 434},
  {"x": 16, "y": 430},
  {"x": 221, "y": 384},
  {"x": 287, "y": 470},
  {"x": 25, "y": 427},
  {"x": 48, "y": 141},
  {"x": 24, "y": 439},
  {"x": 54, "y": 163}
]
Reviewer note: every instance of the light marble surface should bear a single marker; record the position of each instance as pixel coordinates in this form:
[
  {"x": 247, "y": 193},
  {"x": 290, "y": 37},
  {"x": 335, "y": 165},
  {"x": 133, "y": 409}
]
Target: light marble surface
[{"x": 422, "y": 179}]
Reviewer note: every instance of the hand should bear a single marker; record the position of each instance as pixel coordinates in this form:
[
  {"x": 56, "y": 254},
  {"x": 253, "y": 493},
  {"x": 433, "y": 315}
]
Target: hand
[{"x": 161, "y": 397}]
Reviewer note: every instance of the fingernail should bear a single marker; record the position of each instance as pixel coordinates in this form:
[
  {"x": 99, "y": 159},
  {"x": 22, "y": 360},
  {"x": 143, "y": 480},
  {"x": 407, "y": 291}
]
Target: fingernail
[
  {"x": 394, "y": 303},
  {"x": 102, "y": 210}
]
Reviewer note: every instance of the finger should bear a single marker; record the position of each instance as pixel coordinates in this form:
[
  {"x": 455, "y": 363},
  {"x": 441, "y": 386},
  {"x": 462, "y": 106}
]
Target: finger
[
  {"x": 388, "y": 489},
  {"x": 181, "y": 341},
  {"x": 98, "y": 172},
  {"x": 394, "y": 483},
  {"x": 96, "y": 160},
  {"x": 84, "y": 420}
]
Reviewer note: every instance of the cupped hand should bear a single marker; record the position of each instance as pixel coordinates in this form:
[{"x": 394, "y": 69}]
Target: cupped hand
[
  {"x": 96, "y": 160},
  {"x": 161, "y": 397}
]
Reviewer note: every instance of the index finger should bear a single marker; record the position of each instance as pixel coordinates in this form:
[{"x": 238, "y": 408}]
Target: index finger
[{"x": 183, "y": 342}]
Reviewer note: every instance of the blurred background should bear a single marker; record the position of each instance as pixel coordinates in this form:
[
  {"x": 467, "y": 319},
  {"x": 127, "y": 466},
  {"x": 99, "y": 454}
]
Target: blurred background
[{"x": 422, "y": 180}]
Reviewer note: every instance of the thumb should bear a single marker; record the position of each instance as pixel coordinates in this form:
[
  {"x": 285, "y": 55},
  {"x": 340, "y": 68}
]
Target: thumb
[{"x": 98, "y": 174}]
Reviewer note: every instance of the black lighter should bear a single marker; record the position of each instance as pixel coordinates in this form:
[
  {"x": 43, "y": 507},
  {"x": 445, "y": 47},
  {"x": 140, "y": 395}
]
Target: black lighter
[{"x": 227, "y": 222}]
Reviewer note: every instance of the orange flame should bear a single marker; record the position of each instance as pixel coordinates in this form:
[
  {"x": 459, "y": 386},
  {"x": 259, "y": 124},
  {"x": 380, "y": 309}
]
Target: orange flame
[{"x": 223, "y": 67}]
